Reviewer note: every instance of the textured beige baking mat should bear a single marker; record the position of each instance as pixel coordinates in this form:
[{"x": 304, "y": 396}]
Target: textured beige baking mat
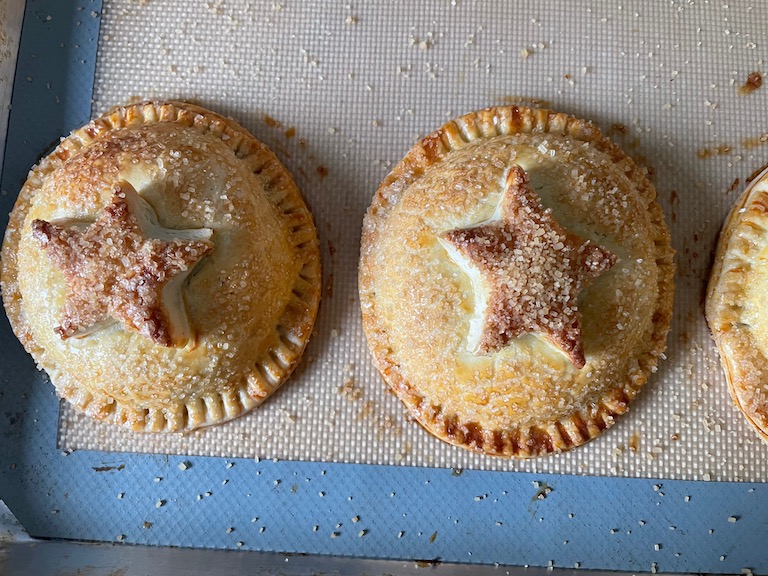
[{"x": 341, "y": 91}]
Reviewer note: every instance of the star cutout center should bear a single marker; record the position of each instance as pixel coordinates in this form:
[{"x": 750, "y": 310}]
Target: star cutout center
[
  {"x": 124, "y": 267},
  {"x": 532, "y": 270}
]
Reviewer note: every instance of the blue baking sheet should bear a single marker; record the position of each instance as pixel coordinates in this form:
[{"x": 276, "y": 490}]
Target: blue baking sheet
[{"x": 300, "y": 507}]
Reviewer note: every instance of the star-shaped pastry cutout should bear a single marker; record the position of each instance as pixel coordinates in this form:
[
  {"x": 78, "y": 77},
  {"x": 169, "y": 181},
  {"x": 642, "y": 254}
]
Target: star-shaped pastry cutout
[
  {"x": 527, "y": 272},
  {"x": 124, "y": 267}
]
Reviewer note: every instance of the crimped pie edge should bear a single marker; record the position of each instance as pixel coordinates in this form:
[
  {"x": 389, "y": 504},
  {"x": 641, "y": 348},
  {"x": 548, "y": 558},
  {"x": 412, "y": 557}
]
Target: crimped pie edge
[
  {"x": 547, "y": 437},
  {"x": 743, "y": 364},
  {"x": 294, "y": 328}
]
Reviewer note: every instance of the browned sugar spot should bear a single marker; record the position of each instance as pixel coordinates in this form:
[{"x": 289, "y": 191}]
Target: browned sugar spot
[
  {"x": 113, "y": 271},
  {"x": 754, "y": 81},
  {"x": 722, "y": 150},
  {"x": 272, "y": 122},
  {"x": 533, "y": 269}
]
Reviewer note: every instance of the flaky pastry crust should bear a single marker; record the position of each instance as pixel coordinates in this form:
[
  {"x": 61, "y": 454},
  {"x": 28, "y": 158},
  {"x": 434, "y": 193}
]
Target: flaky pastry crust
[
  {"x": 420, "y": 309},
  {"x": 737, "y": 301},
  {"x": 251, "y": 300}
]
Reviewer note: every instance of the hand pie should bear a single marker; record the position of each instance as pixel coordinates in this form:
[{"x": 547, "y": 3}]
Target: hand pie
[
  {"x": 516, "y": 281},
  {"x": 737, "y": 302},
  {"x": 161, "y": 265}
]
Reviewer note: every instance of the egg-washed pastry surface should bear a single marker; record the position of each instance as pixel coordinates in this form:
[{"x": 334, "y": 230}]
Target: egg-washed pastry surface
[
  {"x": 163, "y": 268},
  {"x": 737, "y": 302},
  {"x": 516, "y": 281}
]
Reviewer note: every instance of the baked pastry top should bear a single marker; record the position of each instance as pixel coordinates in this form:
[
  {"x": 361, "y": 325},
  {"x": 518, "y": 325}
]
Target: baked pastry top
[
  {"x": 162, "y": 266},
  {"x": 737, "y": 301},
  {"x": 516, "y": 281}
]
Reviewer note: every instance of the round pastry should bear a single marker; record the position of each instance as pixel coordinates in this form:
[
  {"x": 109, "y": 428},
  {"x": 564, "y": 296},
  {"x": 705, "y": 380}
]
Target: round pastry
[
  {"x": 161, "y": 265},
  {"x": 737, "y": 300},
  {"x": 516, "y": 281}
]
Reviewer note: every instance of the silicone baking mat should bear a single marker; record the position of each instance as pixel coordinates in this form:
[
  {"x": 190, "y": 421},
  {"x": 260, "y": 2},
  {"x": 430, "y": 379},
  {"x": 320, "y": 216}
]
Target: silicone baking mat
[
  {"x": 422, "y": 512},
  {"x": 341, "y": 91}
]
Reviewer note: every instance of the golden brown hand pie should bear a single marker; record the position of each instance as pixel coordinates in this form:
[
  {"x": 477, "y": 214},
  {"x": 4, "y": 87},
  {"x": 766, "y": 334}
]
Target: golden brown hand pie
[
  {"x": 737, "y": 302},
  {"x": 516, "y": 281},
  {"x": 161, "y": 265}
]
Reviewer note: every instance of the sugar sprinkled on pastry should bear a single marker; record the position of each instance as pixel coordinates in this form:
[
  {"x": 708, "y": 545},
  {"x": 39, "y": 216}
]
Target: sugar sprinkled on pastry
[
  {"x": 516, "y": 281},
  {"x": 737, "y": 302},
  {"x": 531, "y": 271},
  {"x": 116, "y": 270},
  {"x": 161, "y": 265}
]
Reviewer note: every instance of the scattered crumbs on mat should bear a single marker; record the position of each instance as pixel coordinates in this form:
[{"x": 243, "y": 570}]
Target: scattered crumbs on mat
[
  {"x": 224, "y": 482},
  {"x": 184, "y": 466},
  {"x": 349, "y": 387},
  {"x": 229, "y": 465},
  {"x": 753, "y": 82},
  {"x": 657, "y": 547},
  {"x": 542, "y": 490},
  {"x": 362, "y": 533},
  {"x": 315, "y": 528},
  {"x": 230, "y": 530},
  {"x": 355, "y": 518},
  {"x": 240, "y": 544},
  {"x": 157, "y": 479},
  {"x": 159, "y": 503},
  {"x": 733, "y": 519},
  {"x": 433, "y": 537},
  {"x": 147, "y": 525},
  {"x": 120, "y": 495},
  {"x": 120, "y": 537},
  {"x": 654, "y": 567},
  {"x": 400, "y": 534},
  {"x": 321, "y": 494},
  {"x": 335, "y": 534},
  {"x": 261, "y": 529}
]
